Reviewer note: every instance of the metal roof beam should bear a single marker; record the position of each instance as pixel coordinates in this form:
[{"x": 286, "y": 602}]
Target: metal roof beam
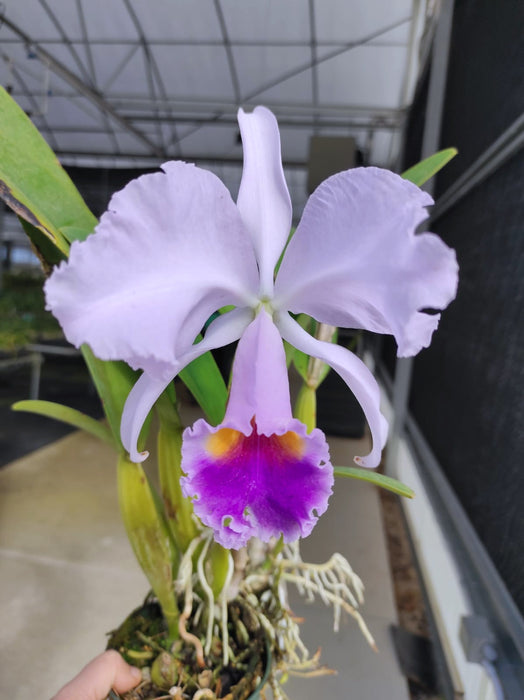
[
  {"x": 92, "y": 71},
  {"x": 198, "y": 107},
  {"x": 364, "y": 125},
  {"x": 340, "y": 123},
  {"x": 314, "y": 56},
  {"x": 188, "y": 112},
  {"x": 82, "y": 88},
  {"x": 269, "y": 43},
  {"x": 148, "y": 59},
  {"x": 64, "y": 40},
  {"x": 229, "y": 53},
  {"x": 153, "y": 67},
  {"x": 65, "y": 153}
]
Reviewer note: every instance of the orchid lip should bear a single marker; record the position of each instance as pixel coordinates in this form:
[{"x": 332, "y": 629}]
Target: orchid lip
[{"x": 256, "y": 485}]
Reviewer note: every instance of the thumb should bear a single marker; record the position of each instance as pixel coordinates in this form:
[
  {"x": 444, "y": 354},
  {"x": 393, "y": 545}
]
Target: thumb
[{"x": 107, "y": 671}]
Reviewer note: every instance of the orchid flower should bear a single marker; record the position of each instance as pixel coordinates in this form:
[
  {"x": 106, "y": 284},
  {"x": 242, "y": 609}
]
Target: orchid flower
[{"x": 173, "y": 248}]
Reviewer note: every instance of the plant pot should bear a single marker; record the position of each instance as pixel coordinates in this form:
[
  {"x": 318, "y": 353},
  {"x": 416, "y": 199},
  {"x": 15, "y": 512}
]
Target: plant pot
[{"x": 142, "y": 640}]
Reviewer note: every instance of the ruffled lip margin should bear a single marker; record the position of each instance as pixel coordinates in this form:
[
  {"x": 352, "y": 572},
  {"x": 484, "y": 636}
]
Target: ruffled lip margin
[{"x": 253, "y": 491}]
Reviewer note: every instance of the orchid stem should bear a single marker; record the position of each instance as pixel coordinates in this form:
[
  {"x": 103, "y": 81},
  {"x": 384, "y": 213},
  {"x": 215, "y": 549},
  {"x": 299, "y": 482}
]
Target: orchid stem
[{"x": 178, "y": 509}]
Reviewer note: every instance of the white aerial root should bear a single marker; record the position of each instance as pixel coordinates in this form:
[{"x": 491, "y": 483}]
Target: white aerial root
[
  {"x": 223, "y": 610},
  {"x": 184, "y": 584},
  {"x": 334, "y": 582},
  {"x": 209, "y": 595}
]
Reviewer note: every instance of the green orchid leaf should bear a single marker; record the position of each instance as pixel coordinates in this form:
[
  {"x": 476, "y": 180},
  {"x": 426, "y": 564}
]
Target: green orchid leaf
[
  {"x": 385, "y": 482},
  {"x": 67, "y": 415},
  {"x": 113, "y": 381},
  {"x": 279, "y": 261},
  {"x": 34, "y": 184},
  {"x": 203, "y": 379},
  {"x": 46, "y": 251},
  {"x": 300, "y": 359},
  {"x": 424, "y": 171},
  {"x": 149, "y": 536},
  {"x": 290, "y": 351}
]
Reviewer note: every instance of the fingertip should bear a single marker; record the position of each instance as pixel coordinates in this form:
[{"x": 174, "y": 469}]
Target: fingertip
[
  {"x": 136, "y": 673},
  {"x": 125, "y": 676}
]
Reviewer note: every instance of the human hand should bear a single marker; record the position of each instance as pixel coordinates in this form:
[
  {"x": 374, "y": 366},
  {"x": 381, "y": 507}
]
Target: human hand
[{"x": 107, "y": 671}]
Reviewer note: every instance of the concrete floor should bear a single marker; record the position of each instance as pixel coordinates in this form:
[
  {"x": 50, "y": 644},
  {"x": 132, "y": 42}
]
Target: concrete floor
[{"x": 68, "y": 575}]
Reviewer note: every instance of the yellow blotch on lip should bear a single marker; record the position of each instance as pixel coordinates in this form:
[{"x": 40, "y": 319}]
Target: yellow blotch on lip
[
  {"x": 222, "y": 441},
  {"x": 226, "y": 440},
  {"x": 292, "y": 443}
]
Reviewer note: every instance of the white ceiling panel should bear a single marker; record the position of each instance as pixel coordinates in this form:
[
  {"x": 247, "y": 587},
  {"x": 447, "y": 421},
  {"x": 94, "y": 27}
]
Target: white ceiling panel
[
  {"x": 202, "y": 72},
  {"x": 64, "y": 15},
  {"x": 106, "y": 19},
  {"x": 399, "y": 35},
  {"x": 120, "y": 69},
  {"x": 182, "y": 20},
  {"x": 260, "y": 66},
  {"x": 294, "y": 143},
  {"x": 91, "y": 142},
  {"x": 74, "y": 58},
  {"x": 23, "y": 75},
  {"x": 364, "y": 76},
  {"x": 127, "y": 143},
  {"x": 346, "y": 21},
  {"x": 77, "y": 113},
  {"x": 219, "y": 140},
  {"x": 20, "y": 13},
  {"x": 272, "y": 20}
]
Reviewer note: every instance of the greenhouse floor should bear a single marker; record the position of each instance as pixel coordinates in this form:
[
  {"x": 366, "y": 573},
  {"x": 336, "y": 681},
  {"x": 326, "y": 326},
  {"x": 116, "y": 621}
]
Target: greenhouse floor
[{"x": 69, "y": 576}]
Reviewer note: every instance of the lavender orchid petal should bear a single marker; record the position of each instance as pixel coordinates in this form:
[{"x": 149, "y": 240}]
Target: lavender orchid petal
[
  {"x": 170, "y": 251},
  {"x": 263, "y": 198},
  {"x": 140, "y": 401},
  {"x": 258, "y": 473},
  {"x": 356, "y": 262},
  {"x": 353, "y": 371},
  {"x": 224, "y": 330}
]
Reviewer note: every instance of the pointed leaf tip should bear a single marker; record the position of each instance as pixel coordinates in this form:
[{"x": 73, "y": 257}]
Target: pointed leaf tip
[
  {"x": 422, "y": 172},
  {"x": 385, "y": 482},
  {"x": 67, "y": 415}
]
